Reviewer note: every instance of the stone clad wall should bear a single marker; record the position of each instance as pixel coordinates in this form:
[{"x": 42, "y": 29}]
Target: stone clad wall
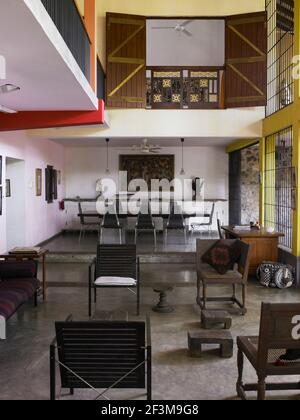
[{"x": 250, "y": 185}]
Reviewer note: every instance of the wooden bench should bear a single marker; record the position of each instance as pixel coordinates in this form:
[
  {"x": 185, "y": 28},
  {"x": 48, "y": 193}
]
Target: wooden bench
[
  {"x": 213, "y": 319},
  {"x": 223, "y": 338}
]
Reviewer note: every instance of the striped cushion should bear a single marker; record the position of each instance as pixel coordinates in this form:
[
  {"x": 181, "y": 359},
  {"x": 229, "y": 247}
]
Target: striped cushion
[{"x": 14, "y": 293}]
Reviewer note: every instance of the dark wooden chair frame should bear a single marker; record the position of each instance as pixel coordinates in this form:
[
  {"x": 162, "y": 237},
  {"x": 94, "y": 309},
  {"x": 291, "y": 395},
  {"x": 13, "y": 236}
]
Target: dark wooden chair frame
[
  {"x": 220, "y": 231},
  {"x": 115, "y": 266},
  {"x": 243, "y": 268},
  {"x": 137, "y": 356},
  {"x": 275, "y": 333}
]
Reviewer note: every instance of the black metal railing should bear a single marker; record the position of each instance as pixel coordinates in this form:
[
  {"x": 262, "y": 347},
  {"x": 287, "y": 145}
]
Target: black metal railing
[
  {"x": 280, "y": 25},
  {"x": 184, "y": 88},
  {"x": 68, "y": 21},
  {"x": 100, "y": 81}
]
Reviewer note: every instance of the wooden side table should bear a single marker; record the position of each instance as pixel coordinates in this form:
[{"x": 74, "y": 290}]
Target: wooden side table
[{"x": 40, "y": 256}]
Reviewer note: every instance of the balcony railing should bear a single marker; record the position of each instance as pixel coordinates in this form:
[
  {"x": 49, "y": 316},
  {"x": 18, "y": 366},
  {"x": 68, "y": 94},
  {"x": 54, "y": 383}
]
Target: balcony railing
[
  {"x": 184, "y": 88},
  {"x": 100, "y": 80},
  {"x": 68, "y": 21}
]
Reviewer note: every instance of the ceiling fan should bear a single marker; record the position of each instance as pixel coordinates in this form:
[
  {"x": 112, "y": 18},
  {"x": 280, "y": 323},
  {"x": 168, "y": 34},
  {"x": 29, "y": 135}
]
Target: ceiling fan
[
  {"x": 7, "y": 88},
  {"x": 180, "y": 27},
  {"x": 146, "y": 148}
]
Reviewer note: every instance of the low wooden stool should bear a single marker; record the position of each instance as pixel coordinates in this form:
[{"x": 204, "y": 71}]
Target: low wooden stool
[
  {"x": 222, "y": 338},
  {"x": 212, "y": 319}
]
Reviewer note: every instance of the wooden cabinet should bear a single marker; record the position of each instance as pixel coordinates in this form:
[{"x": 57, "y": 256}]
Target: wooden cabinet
[{"x": 264, "y": 246}]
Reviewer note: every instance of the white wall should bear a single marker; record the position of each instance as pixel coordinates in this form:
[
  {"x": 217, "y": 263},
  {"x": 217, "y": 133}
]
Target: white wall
[
  {"x": 15, "y": 204},
  {"x": 85, "y": 165},
  {"x": 167, "y": 47},
  {"x": 42, "y": 220},
  {"x": 243, "y": 123}
]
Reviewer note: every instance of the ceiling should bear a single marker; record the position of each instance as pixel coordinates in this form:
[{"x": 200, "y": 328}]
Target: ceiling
[
  {"x": 168, "y": 47},
  {"x": 48, "y": 79},
  {"x": 126, "y": 143}
]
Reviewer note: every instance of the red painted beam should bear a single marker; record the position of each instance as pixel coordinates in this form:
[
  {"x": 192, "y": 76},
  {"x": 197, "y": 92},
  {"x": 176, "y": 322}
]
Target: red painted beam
[{"x": 30, "y": 120}]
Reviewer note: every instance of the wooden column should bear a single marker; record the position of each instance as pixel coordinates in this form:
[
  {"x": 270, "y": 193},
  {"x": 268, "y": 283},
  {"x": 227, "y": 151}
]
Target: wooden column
[{"x": 90, "y": 18}]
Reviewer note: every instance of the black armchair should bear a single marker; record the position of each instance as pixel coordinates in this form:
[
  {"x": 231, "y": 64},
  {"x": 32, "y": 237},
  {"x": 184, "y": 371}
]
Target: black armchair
[
  {"x": 118, "y": 356},
  {"x": 115, "y": 266}
]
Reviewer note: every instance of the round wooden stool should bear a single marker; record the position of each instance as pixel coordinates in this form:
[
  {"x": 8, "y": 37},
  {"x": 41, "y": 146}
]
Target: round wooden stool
[{"x": 163, "y": 305}]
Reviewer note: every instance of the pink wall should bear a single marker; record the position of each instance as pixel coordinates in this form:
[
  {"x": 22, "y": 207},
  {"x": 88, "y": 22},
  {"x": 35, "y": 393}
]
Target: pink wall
[{"x": 42, "y": 220}]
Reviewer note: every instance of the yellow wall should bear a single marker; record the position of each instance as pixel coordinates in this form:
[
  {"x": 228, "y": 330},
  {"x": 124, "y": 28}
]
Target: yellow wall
[
  {"x": 170, "y": 8},
  {"x": 80, "y": 5}
]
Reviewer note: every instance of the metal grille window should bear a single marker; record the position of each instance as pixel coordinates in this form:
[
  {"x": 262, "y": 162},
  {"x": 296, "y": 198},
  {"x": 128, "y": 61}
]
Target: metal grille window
[
  {"x": 280, "y": 15},
  {"x": 280, "y": 184}
]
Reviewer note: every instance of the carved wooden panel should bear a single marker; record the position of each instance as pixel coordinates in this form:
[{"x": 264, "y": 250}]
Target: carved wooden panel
[{"x": 148, "y": 167}]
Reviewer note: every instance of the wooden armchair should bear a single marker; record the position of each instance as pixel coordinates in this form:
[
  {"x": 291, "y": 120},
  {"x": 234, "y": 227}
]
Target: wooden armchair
[
  {"x": 101, "y": 355},
  {"x": 279, "y": 331},
  {"x": 207, "y": 276}
]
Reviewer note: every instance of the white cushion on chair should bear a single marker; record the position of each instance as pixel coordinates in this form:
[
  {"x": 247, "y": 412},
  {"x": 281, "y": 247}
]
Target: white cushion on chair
[{"x": 115, "y": 281}]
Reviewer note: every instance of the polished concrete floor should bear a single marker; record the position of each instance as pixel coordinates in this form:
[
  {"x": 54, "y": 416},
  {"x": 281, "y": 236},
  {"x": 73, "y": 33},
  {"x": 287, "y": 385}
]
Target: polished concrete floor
[
  {"x": 24, "y": 356},
  {"x": 69, "y": 242}
]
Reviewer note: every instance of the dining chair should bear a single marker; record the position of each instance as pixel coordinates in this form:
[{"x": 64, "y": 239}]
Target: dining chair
[
  {"x": 221, "y": 235},
  {"x": 208, "y": 224},
  {"x": 85, "y": 225},
  {"x": 111, "y": 221},
  {"x": 176, "y": 222},
  {"x": 145, "y": 222}
]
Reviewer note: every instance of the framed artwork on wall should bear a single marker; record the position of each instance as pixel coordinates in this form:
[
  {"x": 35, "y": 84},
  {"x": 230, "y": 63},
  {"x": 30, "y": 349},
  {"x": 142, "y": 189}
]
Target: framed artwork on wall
[
  {"x": 55, "y": 177},
  {"x": 148, "y": 167},
  {"x": 7, "y": 188},
  {"x": 51, "y": 184},
  {"x": 38, "y": 182}
]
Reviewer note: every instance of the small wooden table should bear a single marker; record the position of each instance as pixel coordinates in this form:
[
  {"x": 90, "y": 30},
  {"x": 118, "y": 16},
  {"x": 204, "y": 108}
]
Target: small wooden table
[
  {"x": 264, "y": 244},
  {"x": 212, "y": 319},
  {"x": 221, "y": 338},
  {"x": 41, "y": 255}
]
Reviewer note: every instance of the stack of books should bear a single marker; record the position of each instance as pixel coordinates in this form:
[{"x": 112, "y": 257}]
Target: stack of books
[
  {"x": 25, "y": 250},
  {"x": 242, "y": 228}
]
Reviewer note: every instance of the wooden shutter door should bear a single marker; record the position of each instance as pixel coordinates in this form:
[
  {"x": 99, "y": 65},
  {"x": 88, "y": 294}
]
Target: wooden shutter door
[
  {"x": 126, "y": 61},
  {"x": 246, "y": 60}
]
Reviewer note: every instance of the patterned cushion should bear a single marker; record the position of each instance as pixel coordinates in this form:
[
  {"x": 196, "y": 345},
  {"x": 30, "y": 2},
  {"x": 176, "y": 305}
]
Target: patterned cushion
[
  {"x": 14, "y": 293},
  {"x": 222, "y": 256}
]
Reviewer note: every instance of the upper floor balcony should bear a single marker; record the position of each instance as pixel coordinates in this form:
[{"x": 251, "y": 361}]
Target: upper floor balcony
[
  {"x": 70, "y": 25},
  {"x": 46, "y": 50}
]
